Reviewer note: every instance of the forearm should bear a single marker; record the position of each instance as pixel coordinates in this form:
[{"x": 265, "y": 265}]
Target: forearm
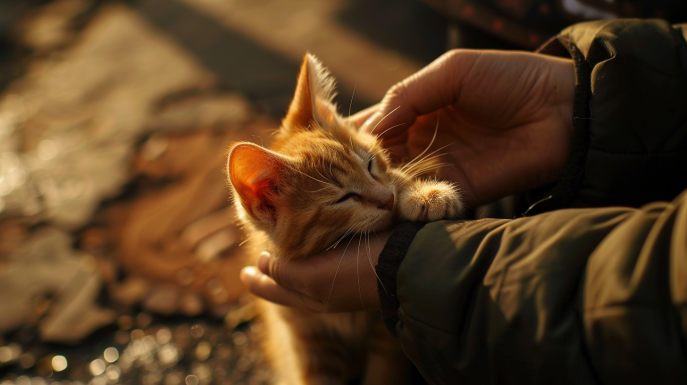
[{"x": 568, "y": 296}]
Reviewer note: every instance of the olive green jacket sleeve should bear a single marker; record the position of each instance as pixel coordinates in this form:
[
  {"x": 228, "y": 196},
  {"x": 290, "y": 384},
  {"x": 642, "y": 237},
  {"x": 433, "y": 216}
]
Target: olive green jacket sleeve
[
  {"x": 578, "y": 296},
  {"x": 629, "y": 142}
]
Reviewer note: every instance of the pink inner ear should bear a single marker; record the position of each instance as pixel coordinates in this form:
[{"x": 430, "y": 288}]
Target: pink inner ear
[{"x": 254, "y": 172}]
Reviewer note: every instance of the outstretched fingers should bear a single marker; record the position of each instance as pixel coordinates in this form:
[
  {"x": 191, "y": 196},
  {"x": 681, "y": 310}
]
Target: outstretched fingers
[{"x": 434, "y": 87}]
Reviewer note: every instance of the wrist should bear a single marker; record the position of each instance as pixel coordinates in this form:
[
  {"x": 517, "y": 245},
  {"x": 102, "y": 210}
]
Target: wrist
[
  {"x": 565, "y": 72},
  {"x": 574, "y": 116}
]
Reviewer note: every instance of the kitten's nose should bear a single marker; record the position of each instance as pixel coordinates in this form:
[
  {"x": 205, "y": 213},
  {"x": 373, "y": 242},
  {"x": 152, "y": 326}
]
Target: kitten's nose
[{"x": 389, "y": 204}]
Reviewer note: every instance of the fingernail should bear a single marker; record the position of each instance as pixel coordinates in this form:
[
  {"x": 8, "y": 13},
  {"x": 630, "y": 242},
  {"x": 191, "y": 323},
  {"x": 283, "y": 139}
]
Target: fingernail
[
  {"x": 369, "y": 123},
  {"x": 248, "y": 271},
  {"x": 264, "y": 262}
]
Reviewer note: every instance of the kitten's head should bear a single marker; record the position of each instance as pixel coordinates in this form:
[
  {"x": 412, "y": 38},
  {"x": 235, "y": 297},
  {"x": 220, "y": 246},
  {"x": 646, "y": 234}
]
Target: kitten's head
[{"x": 320, "y": 179}]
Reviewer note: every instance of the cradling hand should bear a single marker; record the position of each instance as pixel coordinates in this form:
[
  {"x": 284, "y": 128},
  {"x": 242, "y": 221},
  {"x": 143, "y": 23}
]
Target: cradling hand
[{"x": 331, "y": 281}]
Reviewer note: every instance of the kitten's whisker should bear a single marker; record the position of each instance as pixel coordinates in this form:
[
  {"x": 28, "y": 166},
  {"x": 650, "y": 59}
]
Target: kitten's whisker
[
  {"x": 320, "y": 174},
  {"x": 382, "y": 119},
  {"x": 434, "y": 153},
  {"x": 418, "y": 166},
  {"x": 326, "y": 304},
  {"x": 419, "y": 173},
  {"x": 369, "y": 258},
  {"x": 368, "y": 147},
  {"x": 436, "y": 130},
  {"x": 314, "y": 191},
  {"x": 420, "y": 158},
  {"x": 350, "y": 105},
  {"x": 416, "y": 175},
  {"x": 357, "y": 271},
  {"x": 427, "y": 158},
  {"x": 431, "y": 162},
  {"x": 343, "y": 236},
  {"x": 304, "y": 174},
  {"x": 333, "y": 246},
  {"x": 385, "y": 131},
  {"x": 425, "y": 169},
  {"x": 248, "y": 238},
  {"x": 431, "y": 155}
]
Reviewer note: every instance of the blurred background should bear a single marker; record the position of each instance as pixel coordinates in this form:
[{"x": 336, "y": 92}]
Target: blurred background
[{"x": 119, "y": 255}]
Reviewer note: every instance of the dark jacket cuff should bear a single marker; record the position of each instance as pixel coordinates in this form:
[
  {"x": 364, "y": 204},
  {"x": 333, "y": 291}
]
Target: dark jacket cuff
[
  {"x": 563, "y": 193},
  {"x": 387, "y": 269}
]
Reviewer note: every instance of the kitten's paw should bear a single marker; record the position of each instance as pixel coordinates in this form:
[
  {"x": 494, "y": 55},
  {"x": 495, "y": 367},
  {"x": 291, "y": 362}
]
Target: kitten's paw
[{"x": 427, "y": 201}]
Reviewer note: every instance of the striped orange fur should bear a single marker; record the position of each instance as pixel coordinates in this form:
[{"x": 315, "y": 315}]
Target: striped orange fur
[{"x": 320, "y": 179}]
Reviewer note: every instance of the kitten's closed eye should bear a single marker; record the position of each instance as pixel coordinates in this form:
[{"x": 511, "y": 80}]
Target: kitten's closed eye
[{"x": 347, "y": 197}]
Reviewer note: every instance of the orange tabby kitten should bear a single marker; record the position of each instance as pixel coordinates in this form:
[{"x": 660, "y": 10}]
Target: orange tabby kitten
[{"x": 320, "y": 179}]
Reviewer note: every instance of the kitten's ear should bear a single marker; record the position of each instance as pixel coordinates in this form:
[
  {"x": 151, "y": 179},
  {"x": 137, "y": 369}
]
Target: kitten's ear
[
  {"x": 313, "y": 99},
  {"x": 255, "y": 174}
]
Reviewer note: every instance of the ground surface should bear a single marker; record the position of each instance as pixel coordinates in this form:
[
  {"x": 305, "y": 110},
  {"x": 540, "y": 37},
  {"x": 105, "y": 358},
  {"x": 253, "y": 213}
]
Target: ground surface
[{"x": 119, "y": 254}]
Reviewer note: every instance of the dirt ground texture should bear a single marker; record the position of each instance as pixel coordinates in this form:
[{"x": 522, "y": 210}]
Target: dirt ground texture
[{"x": 119, "y": 253}]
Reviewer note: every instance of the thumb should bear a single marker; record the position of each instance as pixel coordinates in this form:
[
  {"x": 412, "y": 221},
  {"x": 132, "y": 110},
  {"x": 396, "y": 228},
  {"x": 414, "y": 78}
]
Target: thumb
[
  {"x": 434, "y": 87},
  {"x": 265, "y": 287}
]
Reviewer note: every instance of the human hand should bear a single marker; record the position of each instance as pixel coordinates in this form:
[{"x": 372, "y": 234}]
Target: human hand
[
  {"x": 337, "y": 280},
  {"x": 506, "y": 116}
]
